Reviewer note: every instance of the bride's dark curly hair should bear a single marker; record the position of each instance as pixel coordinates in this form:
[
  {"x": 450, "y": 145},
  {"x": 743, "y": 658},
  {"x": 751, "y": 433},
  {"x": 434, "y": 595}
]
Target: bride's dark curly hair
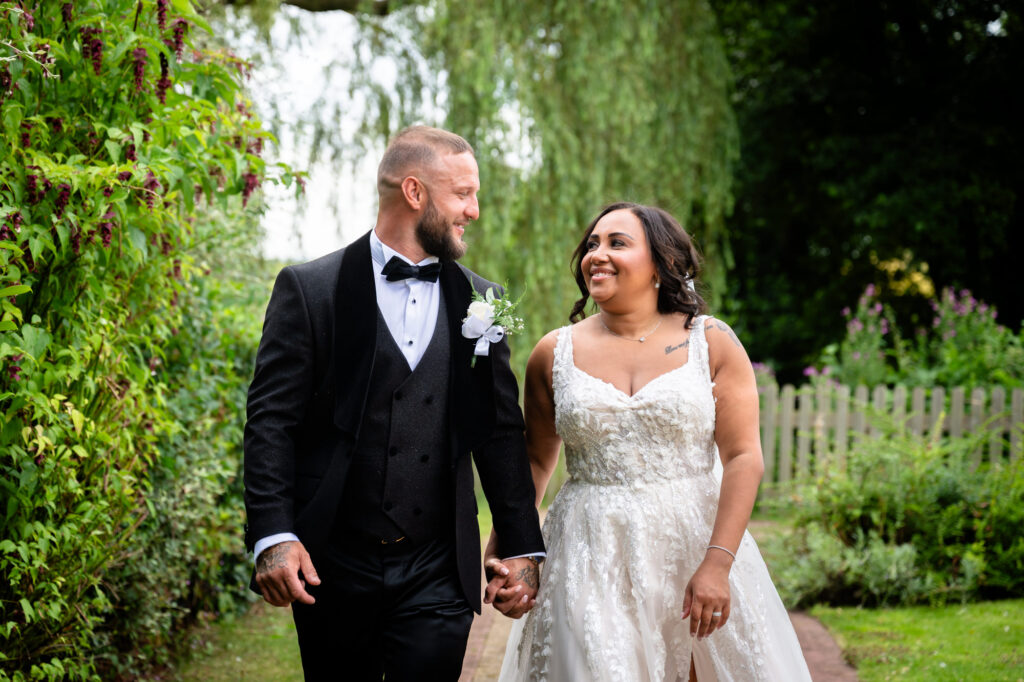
[{"x": 675, "y": 258}]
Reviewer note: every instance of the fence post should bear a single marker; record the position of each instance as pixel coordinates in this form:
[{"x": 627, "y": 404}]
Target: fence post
[
  {"x": 878, "y": 400},
  {"x": 860, "y": 409},
  {"x": 822, "y": 419},
  {"x": 998, "y": 425},
  {"x": 937, "y": 408},
  {"x": 803, "y": 432},
  {"x": 899, "y": 406},
  {"x": 786, "y": 434},
  {"x": 975, "y": 420},
  {"x": 1016, "y": 423},
  {"x": 842, "y": 425},
  {"x": 916, "y": 422},
  {"x": 956, "y": 412},
  {"x": 769, "y": 423}
]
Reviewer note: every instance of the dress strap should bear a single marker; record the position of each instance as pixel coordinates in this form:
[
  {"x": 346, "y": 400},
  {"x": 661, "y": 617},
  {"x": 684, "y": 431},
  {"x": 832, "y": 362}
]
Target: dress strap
[
  {"x": 699, "y": 346},
  {"x": 563, "y": 357}
]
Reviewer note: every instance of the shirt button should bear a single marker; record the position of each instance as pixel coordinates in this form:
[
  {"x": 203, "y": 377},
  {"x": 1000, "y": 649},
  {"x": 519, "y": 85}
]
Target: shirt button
[
  {"x": 429, "y": 399},
  {"x": 410, "y": 342},
  {"x": 414, "y": 300}
]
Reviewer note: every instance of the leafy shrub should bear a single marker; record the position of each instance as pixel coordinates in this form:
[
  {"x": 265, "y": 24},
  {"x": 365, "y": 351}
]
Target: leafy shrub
[
  {"x": 907, "y": 521},
  {"x": 126, "y": 161},
  {"x": 964, "y": 346}
]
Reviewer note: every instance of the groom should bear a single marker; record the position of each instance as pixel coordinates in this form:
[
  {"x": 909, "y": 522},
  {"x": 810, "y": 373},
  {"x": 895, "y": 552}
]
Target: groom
[{"x": 362, "y": 414}]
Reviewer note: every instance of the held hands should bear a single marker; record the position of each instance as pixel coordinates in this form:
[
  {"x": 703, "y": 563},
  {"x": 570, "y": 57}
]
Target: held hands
[
  {"x": 278, "y": 571},
  {"x": 512, "y": 585},
  {"x": 707, "y": 595}
]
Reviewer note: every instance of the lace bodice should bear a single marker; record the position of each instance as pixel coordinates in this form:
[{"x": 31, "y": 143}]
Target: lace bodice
[{"x": 663, "y": 432}]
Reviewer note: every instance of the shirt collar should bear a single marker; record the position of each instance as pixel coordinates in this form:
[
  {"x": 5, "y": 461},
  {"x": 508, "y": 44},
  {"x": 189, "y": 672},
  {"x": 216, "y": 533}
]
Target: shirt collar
[{"x": 382, "y": 253}]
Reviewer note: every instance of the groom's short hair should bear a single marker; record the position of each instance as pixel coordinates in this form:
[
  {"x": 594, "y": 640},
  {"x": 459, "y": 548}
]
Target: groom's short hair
[{"x": 413, "y": 149}]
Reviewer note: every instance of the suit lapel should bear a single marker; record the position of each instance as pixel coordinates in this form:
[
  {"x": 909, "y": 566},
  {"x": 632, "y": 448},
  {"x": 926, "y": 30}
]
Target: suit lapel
[
  {"x": 355, "y": 334},
  {"x": 470, "y": 394}
]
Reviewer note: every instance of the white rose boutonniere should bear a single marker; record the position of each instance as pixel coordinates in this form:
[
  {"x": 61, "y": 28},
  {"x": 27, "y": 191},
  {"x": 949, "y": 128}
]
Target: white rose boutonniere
[{"x": 489, "y": 319}]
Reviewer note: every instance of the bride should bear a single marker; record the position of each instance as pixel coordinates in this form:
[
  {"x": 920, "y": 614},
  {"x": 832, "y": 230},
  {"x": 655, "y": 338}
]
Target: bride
[{"x": 650, "y": 574}]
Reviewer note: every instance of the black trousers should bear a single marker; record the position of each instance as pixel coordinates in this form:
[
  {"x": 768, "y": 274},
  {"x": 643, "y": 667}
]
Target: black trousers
[{"x": 395, "y": 612}]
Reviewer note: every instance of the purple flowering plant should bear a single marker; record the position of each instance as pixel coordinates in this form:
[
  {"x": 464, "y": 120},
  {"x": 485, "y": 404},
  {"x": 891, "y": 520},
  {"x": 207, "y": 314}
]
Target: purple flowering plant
[
  {"x": 863, "y": 357},
  {"x": 121, "y": 189},
  {"x": 963, "y": 345}
]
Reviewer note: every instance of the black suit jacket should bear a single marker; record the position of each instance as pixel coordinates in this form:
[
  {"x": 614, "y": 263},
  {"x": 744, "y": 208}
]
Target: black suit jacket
[{"x": 306, "y": 404}]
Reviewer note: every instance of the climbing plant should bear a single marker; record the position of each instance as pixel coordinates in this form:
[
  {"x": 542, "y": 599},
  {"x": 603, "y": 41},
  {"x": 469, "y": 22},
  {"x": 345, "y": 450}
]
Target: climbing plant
[{"x": 127, "y": 161}]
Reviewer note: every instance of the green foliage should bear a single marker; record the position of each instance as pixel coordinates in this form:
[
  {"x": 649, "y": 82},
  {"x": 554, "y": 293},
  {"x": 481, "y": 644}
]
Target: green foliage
[
  {"x": 963, "y": 346},
  {"x": 126, "y": 160},
  {"x": 870, "y": 130},
  {"x": 907, "y": 521},
  {"x": 569, "y": 106}
]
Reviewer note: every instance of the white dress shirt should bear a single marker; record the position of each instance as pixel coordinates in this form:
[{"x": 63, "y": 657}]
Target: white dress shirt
[{"x": 409, "y": 306}]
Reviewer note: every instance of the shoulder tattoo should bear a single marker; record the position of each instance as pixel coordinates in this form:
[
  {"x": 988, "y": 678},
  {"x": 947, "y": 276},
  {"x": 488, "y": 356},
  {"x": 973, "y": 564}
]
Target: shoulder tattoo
[{"x": 723, "y": 327}]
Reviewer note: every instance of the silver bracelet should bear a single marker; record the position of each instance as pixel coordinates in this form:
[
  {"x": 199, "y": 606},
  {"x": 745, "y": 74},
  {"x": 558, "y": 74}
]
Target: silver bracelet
[{"x": 723, "y": 549}]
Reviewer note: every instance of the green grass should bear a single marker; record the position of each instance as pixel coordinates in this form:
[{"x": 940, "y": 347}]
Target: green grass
[
  {"x": 982, "y": 641},
  {"x": 256, "y": 647}
]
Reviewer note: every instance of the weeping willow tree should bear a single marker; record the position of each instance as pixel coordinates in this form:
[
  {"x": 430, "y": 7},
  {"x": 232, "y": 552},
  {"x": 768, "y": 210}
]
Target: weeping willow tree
[{"x": 569, "y": 105}]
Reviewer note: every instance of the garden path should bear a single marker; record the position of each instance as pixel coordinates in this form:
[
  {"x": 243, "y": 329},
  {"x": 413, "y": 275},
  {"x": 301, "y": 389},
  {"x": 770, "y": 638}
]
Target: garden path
[{"x": 490, "y": 632}]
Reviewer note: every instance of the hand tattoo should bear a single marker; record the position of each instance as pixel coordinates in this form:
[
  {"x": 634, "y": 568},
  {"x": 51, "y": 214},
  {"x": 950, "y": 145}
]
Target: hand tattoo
[
  {"x": 684, "y": 344},
  {"x": 272, "y": 559},
  {"x": 530, "y": 576},
  {"x": 727, "y": 329}
]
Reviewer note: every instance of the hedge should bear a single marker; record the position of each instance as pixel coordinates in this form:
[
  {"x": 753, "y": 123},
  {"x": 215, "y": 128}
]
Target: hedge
[{"x": 127, "y": 160}]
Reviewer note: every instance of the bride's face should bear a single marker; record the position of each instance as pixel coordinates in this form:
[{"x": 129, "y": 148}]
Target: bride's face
[{"x": 618, "y": 260}]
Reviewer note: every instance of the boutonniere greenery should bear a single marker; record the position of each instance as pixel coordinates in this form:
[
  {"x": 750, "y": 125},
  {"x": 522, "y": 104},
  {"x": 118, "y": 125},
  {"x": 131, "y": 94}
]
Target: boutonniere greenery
[{"x": 489, "y": 319}]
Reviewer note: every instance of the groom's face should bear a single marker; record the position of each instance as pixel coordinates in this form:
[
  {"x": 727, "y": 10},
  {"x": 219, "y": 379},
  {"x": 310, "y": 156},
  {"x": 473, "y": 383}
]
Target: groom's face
[{"x": 451, "y": 205}]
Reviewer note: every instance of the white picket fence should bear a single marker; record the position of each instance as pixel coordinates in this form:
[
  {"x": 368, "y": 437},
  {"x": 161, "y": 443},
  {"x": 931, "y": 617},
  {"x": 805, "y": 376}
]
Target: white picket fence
[{"x": 806, "y": 430}]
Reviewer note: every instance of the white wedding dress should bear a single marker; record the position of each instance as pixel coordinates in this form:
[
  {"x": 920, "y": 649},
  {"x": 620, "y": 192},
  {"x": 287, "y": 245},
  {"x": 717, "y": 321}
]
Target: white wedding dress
[{"x": 626, "y": 533}]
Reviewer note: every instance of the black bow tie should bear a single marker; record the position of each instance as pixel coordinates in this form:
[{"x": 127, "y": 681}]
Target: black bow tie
[{"x": 397, "y": 269}]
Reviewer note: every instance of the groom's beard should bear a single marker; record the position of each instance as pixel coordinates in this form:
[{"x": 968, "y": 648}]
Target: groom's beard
[{"x": 436, "y": 236}]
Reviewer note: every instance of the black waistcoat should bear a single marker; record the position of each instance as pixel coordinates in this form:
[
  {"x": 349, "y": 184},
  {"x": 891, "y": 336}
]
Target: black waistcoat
[{"x": 399, "y": 483}]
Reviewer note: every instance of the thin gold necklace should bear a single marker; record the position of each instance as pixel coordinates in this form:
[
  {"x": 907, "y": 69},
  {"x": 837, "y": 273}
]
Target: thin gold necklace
[{"x": 640, "y": 340}]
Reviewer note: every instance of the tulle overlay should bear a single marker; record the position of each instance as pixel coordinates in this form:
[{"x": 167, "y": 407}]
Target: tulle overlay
[{"x": 626, "y": 533}]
